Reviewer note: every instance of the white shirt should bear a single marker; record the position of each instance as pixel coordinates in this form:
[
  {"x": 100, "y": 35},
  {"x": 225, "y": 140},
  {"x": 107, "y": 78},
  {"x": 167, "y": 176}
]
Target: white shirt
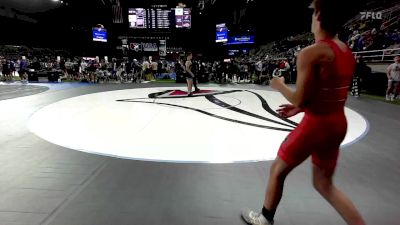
[
  {"x": 146, "y": 65},
  {"x": 259, "y": 66},
  {"x": 395, "y": 71},
  {"x": 287, "y": 66},
  {"x": 83, "y": 66},
  {"x": 154, "y": 65}
]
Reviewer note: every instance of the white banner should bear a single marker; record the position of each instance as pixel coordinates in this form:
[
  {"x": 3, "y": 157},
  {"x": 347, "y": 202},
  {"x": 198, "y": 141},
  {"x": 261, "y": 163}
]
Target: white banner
[
  {"x": 150, "y": 47},
  {"x": 163, "y": 48}
]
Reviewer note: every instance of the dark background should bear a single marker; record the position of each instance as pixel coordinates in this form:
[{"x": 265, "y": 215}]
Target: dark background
[{"x": 69, "y": 25}]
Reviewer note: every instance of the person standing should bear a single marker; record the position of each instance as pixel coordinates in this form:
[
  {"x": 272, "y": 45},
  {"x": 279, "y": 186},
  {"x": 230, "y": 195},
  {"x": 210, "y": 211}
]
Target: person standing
[
  {"x": 154, "y": 68},
  {"x": 12, "y": 69},
  {"x": 7, "y": 70},
  {"x": 259, "y": 69},
  {"x": 393, "y": 74},
  {"x": 23, "y": 69},
  {"x": 190, "y": 76},
  {"x": 362, "y": 70},
  {"x": 325, "y": 70},
  {"x": 146, "y": 69}
]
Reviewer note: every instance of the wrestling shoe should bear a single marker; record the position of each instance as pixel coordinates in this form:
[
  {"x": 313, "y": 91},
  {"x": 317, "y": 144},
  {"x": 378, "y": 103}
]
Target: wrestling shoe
[{"x": 254, "y": 218}]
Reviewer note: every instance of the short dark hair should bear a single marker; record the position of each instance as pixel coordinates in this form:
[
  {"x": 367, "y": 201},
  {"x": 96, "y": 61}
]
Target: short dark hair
[
  {"x": 334, "y": 13},
  {"x": 189, "y": 53}
]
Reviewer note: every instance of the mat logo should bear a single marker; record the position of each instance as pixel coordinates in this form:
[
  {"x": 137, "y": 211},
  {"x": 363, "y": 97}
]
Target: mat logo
[
  {"x": 277, "y": 122},
  {"x": 372, "y": 15}
]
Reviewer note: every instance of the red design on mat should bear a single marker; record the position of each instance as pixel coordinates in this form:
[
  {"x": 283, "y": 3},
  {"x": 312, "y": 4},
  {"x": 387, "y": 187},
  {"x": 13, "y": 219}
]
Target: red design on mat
[
  {"x": 204, "y": 92},
  {"x": 181, "y": 93},
  {"x": 178, "y": 92}
]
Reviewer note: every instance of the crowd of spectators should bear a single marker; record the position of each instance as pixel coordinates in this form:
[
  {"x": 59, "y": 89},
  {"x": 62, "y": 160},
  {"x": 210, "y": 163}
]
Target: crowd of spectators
[
  {"x": 96, "y": 70},
  {"x": 361, "y": 34},
  {"x": 82, "y": 69},
  {"x": 248, "y": 70},
  {"x": 366, "y": 34}
]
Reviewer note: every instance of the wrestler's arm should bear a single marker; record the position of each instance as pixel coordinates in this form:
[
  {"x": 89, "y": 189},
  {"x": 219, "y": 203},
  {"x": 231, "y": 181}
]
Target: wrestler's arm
[{"x": 306, "y": 63}]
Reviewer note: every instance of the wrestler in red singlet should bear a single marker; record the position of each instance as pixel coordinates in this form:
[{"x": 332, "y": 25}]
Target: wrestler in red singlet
[
  {"x": 324, "y": 73},
  {"x": 324, "y": 125}
]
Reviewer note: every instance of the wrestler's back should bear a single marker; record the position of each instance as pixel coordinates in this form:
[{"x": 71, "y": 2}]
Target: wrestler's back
[{"x": 332, "y": 79}]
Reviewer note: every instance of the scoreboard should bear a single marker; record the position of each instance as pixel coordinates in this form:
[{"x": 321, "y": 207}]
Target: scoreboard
[
  {"x": 183, "y": 18},
  {"x": 159, "y": 18},
  {"x": 162, "y": 18}
]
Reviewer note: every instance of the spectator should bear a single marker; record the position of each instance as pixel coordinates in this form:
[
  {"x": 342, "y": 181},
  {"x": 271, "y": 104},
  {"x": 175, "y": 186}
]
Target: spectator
[
  {"x": 285, "y": 69},
  {"x": 362, "y": 70},
  {"x": 393, "y": 74},
  {"x": 63, "y": 68},
  {"x": 23, "y": 69},
  {"x": 36, "y": 65},
  {"x": 160, "y": 68},
  {"x": 12, "y": 69},
  {"x": 6, "y": 70},
  {"x": 259, "y": 69},
  {"x": 146, "y": 69}
]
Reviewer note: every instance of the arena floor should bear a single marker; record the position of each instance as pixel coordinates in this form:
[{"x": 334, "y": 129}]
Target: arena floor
[{"x": 123, "y": 154}]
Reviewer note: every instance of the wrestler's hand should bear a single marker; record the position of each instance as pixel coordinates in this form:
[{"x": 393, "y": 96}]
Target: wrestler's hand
[
  {"x": 276, "y": 82},
  {"x": 288, "y": 110}
]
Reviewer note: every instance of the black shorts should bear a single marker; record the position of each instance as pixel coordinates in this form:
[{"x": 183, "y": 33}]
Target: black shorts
[{"x": 188, "y": 76}]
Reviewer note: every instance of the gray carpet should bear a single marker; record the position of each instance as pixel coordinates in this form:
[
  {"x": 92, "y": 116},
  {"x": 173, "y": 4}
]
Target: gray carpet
[
  {"x": 16, "y": 91},
  {"x": 45, "y": 184}
]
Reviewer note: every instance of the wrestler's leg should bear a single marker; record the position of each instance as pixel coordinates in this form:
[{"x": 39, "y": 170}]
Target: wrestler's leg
[
  {"x": 277, "y": 175},
  {"x": 322, "y": 180}
]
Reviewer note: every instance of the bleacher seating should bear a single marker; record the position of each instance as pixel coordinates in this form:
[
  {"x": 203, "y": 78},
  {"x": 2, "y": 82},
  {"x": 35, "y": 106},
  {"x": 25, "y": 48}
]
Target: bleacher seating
[{"x": 361, "y": 34}]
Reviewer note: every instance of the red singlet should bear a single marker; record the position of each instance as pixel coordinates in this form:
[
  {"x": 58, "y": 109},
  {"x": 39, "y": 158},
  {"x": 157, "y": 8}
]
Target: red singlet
[{"x": 324, "y": 125}]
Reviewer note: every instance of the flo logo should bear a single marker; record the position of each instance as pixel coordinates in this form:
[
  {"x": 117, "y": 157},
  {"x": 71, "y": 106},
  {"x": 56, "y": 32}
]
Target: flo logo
[
  {"x": 210, "y": 95},
  {"x": 372, "y": 15}
]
